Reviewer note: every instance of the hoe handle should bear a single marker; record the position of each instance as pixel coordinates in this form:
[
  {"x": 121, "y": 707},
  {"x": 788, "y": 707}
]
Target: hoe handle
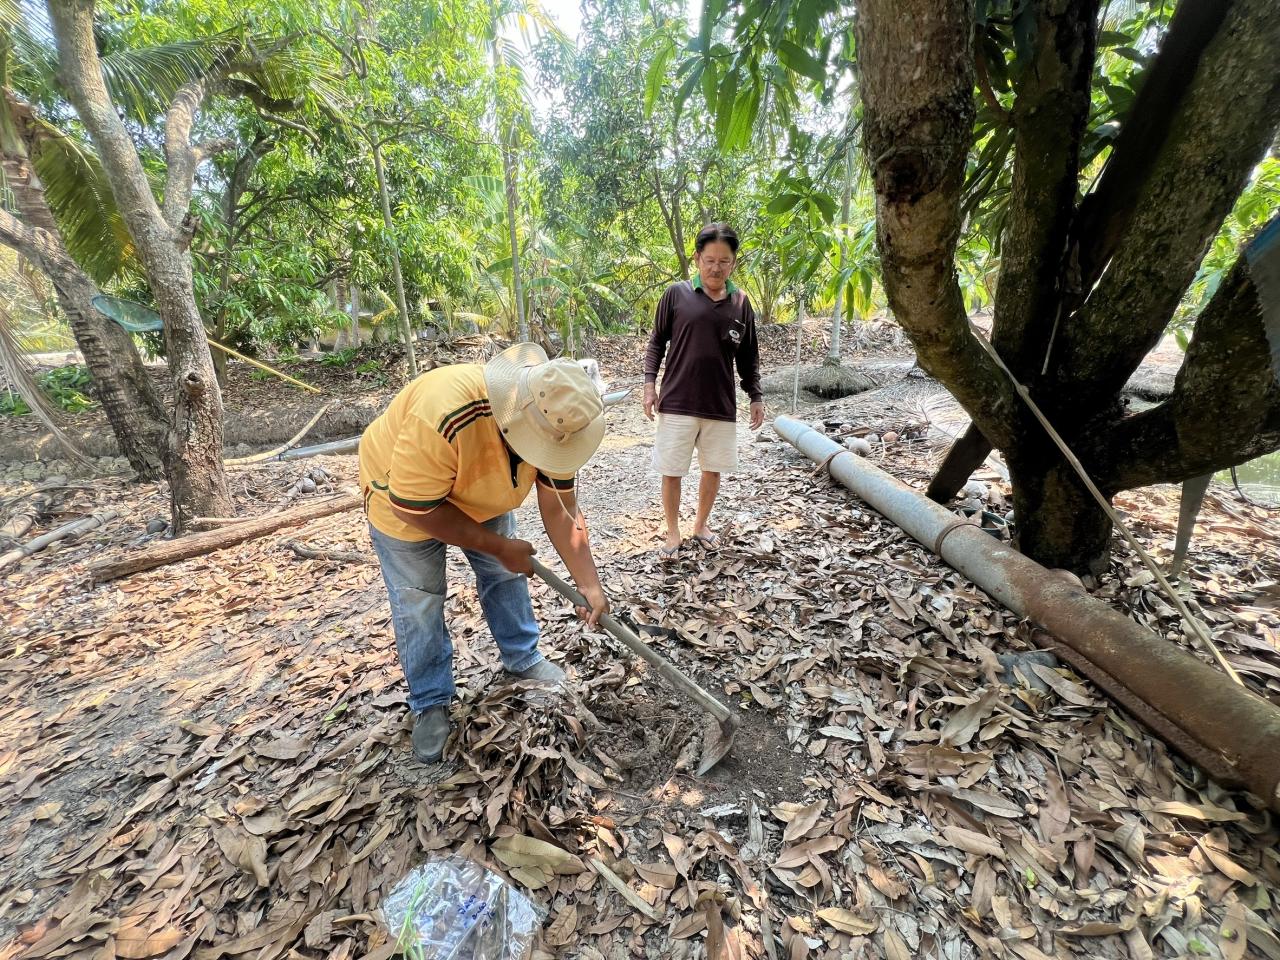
[{"x": 641, "y": 649}]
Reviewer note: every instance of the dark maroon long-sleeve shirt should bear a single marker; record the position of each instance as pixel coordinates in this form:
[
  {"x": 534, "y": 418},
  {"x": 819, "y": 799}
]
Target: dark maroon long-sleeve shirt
[{"x": 702, "y": 340}]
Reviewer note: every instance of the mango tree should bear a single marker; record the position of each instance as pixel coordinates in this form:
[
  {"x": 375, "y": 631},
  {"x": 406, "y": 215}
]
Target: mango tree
[{"x": 1113, "y": 151}]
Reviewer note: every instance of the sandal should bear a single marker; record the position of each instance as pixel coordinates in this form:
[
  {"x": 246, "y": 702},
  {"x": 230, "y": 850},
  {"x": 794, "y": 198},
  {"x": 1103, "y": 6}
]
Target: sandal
[
  {"x": 709, "y": 541},
  {"x": 668, "y": 553}
]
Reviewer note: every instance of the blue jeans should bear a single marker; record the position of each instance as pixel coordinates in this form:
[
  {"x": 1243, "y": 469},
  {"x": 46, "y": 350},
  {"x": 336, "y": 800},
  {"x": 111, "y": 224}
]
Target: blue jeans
[{"x": 415, "y": 577}]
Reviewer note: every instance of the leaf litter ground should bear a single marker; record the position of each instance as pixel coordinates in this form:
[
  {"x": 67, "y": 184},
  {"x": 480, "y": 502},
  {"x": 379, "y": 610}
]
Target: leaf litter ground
[{"x": 211, "y": 759}]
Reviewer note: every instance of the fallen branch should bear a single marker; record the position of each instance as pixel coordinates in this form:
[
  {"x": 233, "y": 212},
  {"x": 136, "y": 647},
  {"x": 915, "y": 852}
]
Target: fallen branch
[
  {"x": 288, "y": 444},
  {"x": 221, "y": 521},
  {"x": 24, "y": 519},
  {"x": 313, "y": 553},
  {"x": 198, "y": 544},
  {"x": 67, "y": 530}
]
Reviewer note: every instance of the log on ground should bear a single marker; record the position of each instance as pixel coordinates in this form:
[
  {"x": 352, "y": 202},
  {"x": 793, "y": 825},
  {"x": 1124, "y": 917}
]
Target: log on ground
[{"x": 201, "y": 543}]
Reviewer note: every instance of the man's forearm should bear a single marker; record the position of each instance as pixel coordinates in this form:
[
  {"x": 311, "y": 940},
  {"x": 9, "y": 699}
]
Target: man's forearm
[
  {"x": 450, "y": 525},
  {"x": 567, "y": 531}
]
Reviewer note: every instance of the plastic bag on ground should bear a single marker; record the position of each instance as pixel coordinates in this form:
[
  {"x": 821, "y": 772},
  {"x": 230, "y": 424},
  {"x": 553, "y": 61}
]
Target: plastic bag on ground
[{"x": 455, "y": 909}]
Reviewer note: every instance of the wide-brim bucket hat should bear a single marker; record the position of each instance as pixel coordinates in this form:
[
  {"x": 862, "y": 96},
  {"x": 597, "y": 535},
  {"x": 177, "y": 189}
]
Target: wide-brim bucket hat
[{"x": 549, "y": 411}]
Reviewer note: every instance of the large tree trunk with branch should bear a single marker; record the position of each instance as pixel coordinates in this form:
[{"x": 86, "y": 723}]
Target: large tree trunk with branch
[
  {"x": 237, "y": 184},
  {"x": 193, "y": 455},
  {"x": 120, "y": 380},
  {"x": 1085, "y": 291}
]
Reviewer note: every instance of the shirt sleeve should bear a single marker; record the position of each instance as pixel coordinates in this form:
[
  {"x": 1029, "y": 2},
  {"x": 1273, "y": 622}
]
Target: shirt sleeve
[
  {"x": 546, "y": 481},
  {"x": 660, "y": 338},
  {"x": 748, "y": 356},
  {"x": 424, "y": 467}
]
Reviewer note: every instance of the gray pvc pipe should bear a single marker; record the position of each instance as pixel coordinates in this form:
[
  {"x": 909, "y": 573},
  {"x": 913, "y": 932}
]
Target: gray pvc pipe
[
  {"x": 333, "y": 448},
  {"x": 1233, "y": 734}
]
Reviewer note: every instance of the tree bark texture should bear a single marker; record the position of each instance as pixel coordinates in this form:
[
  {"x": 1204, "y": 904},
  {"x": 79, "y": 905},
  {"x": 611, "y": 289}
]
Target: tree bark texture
[
  {"x": 517, "y": 282},
  {"x": 236, "y": 187},
  {"x": 1074, "y": 343},
  {"x": 917, "y": 94},
  {"x": 1229, "y": 116},
  {"x": 120, "y": 379},
  {"x": 1224, "y": 409},
  {"x": 1106, "y": 212},
  {"x": 1048, "y": 117},
  {"x": 193, "y": 454}
]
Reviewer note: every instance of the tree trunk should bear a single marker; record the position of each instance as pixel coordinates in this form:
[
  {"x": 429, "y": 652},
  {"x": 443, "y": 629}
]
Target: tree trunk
[
  {"x": 193, "y": 455},
  {"x": 1057, "y": 520},
  {"x": 517, "y": 286},
  {"x": 673, "y": 227},
  {"x": 833, "y": 353},
  {"x": 354, "y": 311},
  {"x": 406, "y": 328},
  {"x": 1228, "y": 117},
  {"x": 236, "y": 187},
  {"x": 917, "y": 93},
  {"x": 120, "y": 380}
]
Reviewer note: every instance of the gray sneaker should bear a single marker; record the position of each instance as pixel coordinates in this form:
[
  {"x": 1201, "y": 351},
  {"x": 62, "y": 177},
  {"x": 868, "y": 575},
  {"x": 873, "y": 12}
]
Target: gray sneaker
[
  {"x": 544, "y": 671},
  {"x": 430, "y": 731}
]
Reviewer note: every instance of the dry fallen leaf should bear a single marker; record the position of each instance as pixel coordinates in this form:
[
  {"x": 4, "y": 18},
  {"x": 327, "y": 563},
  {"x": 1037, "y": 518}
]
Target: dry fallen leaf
[
  {"x": 517, "y": 852},
  {"x": 46, "y": 811},
  {"x": 689, "y": 926},
  {"x": 1133, "y": 841},
  {"x": 984, "y": 888},
  {"x": 847, "y": 922},
  {"x": 561, "y": 930},
  {"x": 804, "y": 821},
  {"x": 1097, "y": 928},
  {"x": 135, "y": 943},
  {"x": 895, "y": 948},
  {"x": 972, "y": 842},
  {"x": 1233, "y": 936},
  {"x": 246, "y": 851}
]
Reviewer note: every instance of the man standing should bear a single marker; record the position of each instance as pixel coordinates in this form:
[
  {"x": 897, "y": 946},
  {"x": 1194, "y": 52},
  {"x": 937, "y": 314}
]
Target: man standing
[
  {"x": 709, "y": 327},
  {"x": 446, "y": 464}
]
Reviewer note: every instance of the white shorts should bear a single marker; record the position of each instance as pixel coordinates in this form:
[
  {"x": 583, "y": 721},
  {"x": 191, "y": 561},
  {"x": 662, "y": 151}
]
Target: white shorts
[{"x": 678, "y": 435}]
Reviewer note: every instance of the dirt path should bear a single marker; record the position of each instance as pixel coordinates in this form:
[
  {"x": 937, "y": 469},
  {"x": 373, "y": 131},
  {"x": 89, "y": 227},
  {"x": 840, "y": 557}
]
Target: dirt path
[{"x": 211, "y": 759}]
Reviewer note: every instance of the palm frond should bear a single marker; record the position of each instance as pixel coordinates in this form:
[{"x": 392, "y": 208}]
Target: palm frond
[
  {"x": 143, "y": 81},
  {"x": 27, "y": 29},
  {"x": 77, "y": 191},
  {"x": 22, "y": 377}
]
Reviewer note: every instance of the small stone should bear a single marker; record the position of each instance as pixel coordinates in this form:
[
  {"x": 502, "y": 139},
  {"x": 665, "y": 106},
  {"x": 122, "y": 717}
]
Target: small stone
[
  {"x": 858, "y": 445},
  {"x": 975, "y": 489},
  {"x": 307, "y": 485},
  {"x": 1023, "y": 662},
  {"x": 889, "y": 436},
  {"x": 157, "y": 525}
]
